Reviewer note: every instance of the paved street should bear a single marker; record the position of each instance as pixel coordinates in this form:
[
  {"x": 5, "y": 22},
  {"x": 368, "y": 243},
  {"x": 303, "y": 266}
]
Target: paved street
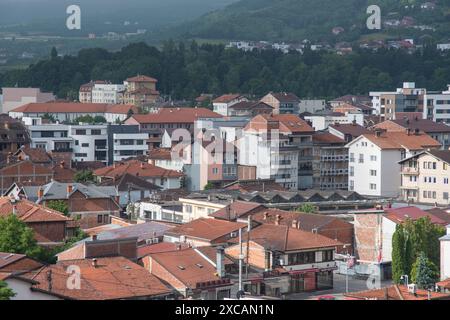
[{"x": 339, "y": 288}]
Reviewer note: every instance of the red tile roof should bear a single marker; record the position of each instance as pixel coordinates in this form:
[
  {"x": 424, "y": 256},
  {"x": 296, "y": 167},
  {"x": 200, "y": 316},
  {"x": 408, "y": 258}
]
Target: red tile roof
[
  {"x": 236, "y": 210},
  {"x": 400, "y": 215},
  {"x": 25, "y": 168},
  {"x": 159, "y": 248},
  {"x": 397, "y": 292},
  {"x": 444, "y": 284},
  {"x": 140, "y": 78},
  {"x": 113, "y": 278},
  {"x": 285, "y": 123},
  {"x": 284, "y": 238},
  {"x": 136, "y": 168},
  {"x": 36, "y": 155},
  {"x": 285, "y": 96},
  {"x": 187, "y": 266},
  {"x": 326, "y": 138},
  {"x": 248, "y": 186},
  {"x": 401, "y": 140},
  {"x": 206, "y": 229},
  {"x": 28, "y": 211},
  {"x": 226, "y": 98},
  {"x": 176, "y": 115},
  {"x": 73, "y": 107}
]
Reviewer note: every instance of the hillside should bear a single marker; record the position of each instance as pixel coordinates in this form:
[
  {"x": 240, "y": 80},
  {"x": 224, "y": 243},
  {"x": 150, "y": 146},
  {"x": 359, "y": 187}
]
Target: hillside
[{"x": 295, "y": 20}]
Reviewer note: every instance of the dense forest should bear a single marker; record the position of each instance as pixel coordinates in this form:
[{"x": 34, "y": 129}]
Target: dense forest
[
  {"x": 295, "y": 20},
  {"x": 186, "y": 70}
]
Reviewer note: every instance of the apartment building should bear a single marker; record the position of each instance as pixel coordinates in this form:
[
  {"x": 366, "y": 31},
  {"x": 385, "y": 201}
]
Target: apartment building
[
  {"x": 425, "y": 177},
  {"x": 140, "y": 91},
  {"x": 104, "y": 143},
  {"x": 405, "y": 99},
  {"x": 321, "y": 121},
  {"x": 222, "y": 104},
  {"x": 280, "y": 147},
  {"x": 374, "y": 158},
  {"x": 437, "y": 106},
  {"x": 16, "y": 97},
  {"x": 85, "y": 92},
  {"x": 330, "y": 162},
  {"x": 282, "y": 102},
  {"x": 108, "y": 93}
]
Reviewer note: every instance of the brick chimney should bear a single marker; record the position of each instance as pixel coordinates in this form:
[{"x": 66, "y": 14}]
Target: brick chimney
[
  {"x": 220, "y": 265},
  {"x": 61, "y": 164},
  {"x": 266, "y": 215},
  {"x": 95, "y": 263},
  {"x": 277, "y": 219},
  {"x": 69, "y": 189},
  {"x": 294, "y": 224}
]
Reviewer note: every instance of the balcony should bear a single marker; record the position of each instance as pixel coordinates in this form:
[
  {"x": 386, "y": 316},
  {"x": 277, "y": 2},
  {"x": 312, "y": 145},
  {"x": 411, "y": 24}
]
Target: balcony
[
  {"x": 61, "y": 150},
  {"x": 334, "y": 172},
  {"x": 101, "y": 147},
  {"x": 333, "y": 158},
  {"x": 410, "y": 170}
]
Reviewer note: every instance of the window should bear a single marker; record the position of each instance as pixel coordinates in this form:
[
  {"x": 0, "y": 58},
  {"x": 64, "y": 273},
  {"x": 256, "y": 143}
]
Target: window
[
  {"x": 373, "y": 158},
  {"x": 85, "y": 145},
  {"x": 302, "y": 258},
  {"x": 373, "y": 186},
  {"x": 445, "y": 195},
  {"x": 445, "y": 180},
  {"x": 352, "y": 157},
  {"x": 99, "y": 218},
  {"x": 80, "y": 132},
  {"x": 80, "y": 155},
  {"x": 361, "y": 158},
  {"x": 215, "y": 170},
  {"x": 188, "y": 208},
  {"x": 445, "y": 166},
  {"x": 327, "y": 255},
  {"x": 373, "y": 173},
  {"x": 96, "y": 132}
]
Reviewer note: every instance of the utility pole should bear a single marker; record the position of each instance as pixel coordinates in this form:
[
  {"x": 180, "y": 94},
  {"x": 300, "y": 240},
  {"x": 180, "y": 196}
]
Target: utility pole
[{"x": 241, "y": 257}]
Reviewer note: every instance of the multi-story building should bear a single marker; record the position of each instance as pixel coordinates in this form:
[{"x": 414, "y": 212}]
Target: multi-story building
[
  {"x": 425, "y": 177},
  {"x": 13, "y": 135},
  {"x": 311, "y": 106},
  {"x": 437, "y": 106},
  {"x": 108, "y": 93},
  {"x": 330, "y": 162},
  {"x": 222, "y": 104},
  {"x": 140, "y": 91},
  {"x": 374, "y": 158},
  {"x": 104, "y": 143},
  {"x": 437, "y": 131},
  {"x": 282, "y": 102},
  {"x": 16, "y": 97},
  {"x": 321, "y": 121},
  {"x": 347, "y": 132},
  {"x": 280, "y": 147},
  {"x": 85, "y": 92},
  {"x": 406, "y": 99}
]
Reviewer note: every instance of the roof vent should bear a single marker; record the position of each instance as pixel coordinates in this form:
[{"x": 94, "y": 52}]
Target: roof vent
[{"x": 181, "y": 268}]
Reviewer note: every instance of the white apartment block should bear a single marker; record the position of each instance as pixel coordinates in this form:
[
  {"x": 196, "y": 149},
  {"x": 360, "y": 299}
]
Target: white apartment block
[
  {"x": 108, "y": 93},
  {"x": 128, "y": 145},
  {"x": 374, "y": 168},
  {"x": 437, "y": 106},
  {"x": 321, "y": 122}
]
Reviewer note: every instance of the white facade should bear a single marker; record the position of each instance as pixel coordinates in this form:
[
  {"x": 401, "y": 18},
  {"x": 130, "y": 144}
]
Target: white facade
[
  {"x": 445, "y": 255},
  {"x": 443, "y": 46},
  {"x": 321, "y": 122},
  {"x": 160, "y": 212},
  {"x": 90, "y": 142},
  {"x": 107, "y": 93},
  {"x": 437, "y": 106},
  {"x": 373, "y": 171},
  {"x": 22, "y": 289},
  {"x": 222, "y": 107},
  {"x": 128, "y": 145}
]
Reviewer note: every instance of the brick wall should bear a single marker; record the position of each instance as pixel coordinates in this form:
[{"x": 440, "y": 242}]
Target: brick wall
[
  {"x": 126, "y": 248},
  {"x": 367, "y": 236},
  {"x": 53, "y": 231},
  {"x": 257, "y": 254}
]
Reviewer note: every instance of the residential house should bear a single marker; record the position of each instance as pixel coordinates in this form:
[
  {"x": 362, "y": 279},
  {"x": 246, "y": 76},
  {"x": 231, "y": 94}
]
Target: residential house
[
  {"x": 24, "y": 172},
  {"x": 140, "y": 91},
  {"x": 50, "y": 227},
  {"x": 166, "y": 179},
  {"x": 353, "y": 108},
  {"x": 290, "y": 260},
  {"x": 282, "y": 102},
  {"x": 249, "y": 109},
  {"x": 330, "y": 162},
  {"x": 311, "y": 106},
  {"x": 109, "y": 278},
  {"x": 350, "y": 99},
  {"x": 85, "y": 92},
  {"x": 157, "y": 210},
  {"x": 196, "y": 206},
  {"x": 204, "y": 232},
  {"x": 374, "y": 158},
  {"x": 192, "y": 273},
  {"x": 222, "y": 104},
  {"x": 437, "y": 131},
  {"x": 425, "y": 177},
  {"x": 13, "y": 135}
]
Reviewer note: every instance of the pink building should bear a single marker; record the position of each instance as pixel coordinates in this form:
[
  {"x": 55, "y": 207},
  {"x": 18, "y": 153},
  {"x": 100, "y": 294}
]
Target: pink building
[{"x": 16, "y": 97}]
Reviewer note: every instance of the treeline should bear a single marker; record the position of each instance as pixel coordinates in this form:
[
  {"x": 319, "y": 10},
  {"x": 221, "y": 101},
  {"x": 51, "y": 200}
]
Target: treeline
[{"x": 186, "y": 70}]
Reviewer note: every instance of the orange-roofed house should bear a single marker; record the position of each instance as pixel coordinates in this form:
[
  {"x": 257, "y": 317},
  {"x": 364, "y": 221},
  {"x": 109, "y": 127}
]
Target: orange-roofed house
[
  {"x": 374, "y": 168},
  {"x": 164, "y": 178},
  {"x": 289, "y": 260},
  {"x": 24, "y": 172},
  {"x": 50, "y": 227},
  {"x": 110, "y": 278},
  {"x": 193, "y": 272},
  {"x": 398, "y": 292},
  {"x": 140, "y": 91},
  {"x": 222, "y": 104},
  {"x": 282, "y": 102},
  {"x": 280, "y": 147}
]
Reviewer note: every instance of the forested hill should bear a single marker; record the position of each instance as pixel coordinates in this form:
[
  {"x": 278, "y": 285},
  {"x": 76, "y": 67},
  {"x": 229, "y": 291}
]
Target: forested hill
[
  {"x": 295, "y": 20},
  {"x": 186, "y": 70}
]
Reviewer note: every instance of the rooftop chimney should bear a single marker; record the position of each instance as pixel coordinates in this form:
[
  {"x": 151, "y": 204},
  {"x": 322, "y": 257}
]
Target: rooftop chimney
[
  {"x": 40, "y": 193},
  {"x": 61, "y": 164},
  {"x": 220, "y": 265},
  {"x": 408, "y": 131},
  {"x": 95, "y": 263},
  {"x": 94, "y": 237},
  {"x": 294, "y": 224},
  {"x": 49, "y": 280},
  {"x": 69, "y": 189},
  {"x": 249, "y": 223},
  {"x": 277, "y": 219}
]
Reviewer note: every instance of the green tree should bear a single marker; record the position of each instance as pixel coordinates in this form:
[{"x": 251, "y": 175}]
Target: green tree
[
  {"x": 424, "y": 273},
  {"x": 49, "y": 117},
  {"x": 209, "y": 186},
  {"x": 5, "y": 292},
  {"x": 59, "y": 205},
  {"x": 17, "y": 237},
  {"x": 307, "y": 208},
  {"x": 400, "y": 254},
  {"x": 84, "y": 176},
  {"x": 54, "y": 53}
]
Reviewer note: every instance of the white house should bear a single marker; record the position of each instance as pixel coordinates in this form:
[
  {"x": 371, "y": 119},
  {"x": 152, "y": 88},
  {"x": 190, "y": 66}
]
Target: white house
[
  {"x": 222, "y": 103},
  {"x": 161, "y": 211},
  {"x": 437, "y": 107},
  {"x": 321, "y": 121},
  {"x": 373, "y": 160}
]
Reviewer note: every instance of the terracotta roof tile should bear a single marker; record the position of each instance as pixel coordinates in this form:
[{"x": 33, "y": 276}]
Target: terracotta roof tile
[
  {"x": 400, "y": 140},
  {"x": 140, "y": 78},
  {"x": 236, "y": 210},
  {"x": 227, "y": 98},
  {"x": 28, "y": 211},
  {"x": 400, "y": 215},
  {"x": 136, "y": 168},
  {"x": 176, "y": 115},
  {"x": 397, "y": 292}
]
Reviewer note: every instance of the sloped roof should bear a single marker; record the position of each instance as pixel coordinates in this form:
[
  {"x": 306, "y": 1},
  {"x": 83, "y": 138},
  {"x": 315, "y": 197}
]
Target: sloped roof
[
  {"x": 136, "y": 168},
  {"x": 140, "y": 78},
  {"x": 227, "y": 98},
  {"x": 113, "y": 278},
  {"x": 401, "y": 140},
  {"x": 396, "y": 292},
  {"x": 73, "y": 107},
  {"x": 28, "y": 211},
  {"x": 176, "y": 115},
  {"x": 235, "y": 210},
  {"x": 400, "y": 215}
]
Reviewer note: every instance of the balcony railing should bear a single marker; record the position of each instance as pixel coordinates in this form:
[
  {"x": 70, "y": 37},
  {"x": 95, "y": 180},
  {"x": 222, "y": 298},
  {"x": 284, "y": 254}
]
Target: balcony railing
[{"x": 410, "y": 170}]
